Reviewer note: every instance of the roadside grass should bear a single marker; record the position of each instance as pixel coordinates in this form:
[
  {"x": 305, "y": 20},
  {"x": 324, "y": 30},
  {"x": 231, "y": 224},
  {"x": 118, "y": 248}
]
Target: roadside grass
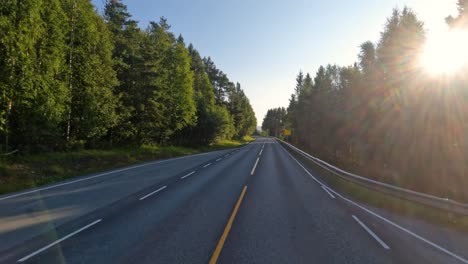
[
  {"x": 381, "y": 200},
  {"x": 27, "y": 171}
]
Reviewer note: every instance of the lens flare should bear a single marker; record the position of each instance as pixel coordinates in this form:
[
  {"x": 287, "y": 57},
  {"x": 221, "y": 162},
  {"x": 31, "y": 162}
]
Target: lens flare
[{"x": 445, "y": 53}]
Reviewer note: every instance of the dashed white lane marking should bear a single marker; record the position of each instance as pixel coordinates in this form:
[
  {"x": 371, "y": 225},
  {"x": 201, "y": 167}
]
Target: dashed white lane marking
[
  {"x": 186, "y": 175},
  {"x": 409, "y": 232},
  {"x": 255, "y": 166},
  {"x": 149, "y": 194},
  {"x": 207, "y": 165},
  {"x": 219, "y": 159},
  {"x": 58, "y": 241},
  {"x": 99, "y": 175},
  {"x": 371, "y": 233}
]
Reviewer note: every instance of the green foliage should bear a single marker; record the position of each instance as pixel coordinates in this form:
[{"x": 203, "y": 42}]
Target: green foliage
[
  {"x": 31, "y": 62},
  {"x": 166, "y": 100},
  {"x": 382, "y": 117},
  {"x": 219, "y": 80},
  {"x": 400, "y": 46},
  {"x": 90, "y": 76},
  {"x": 128, "y": 63},
  {"x": 367, "y": 57},
  {"x": 27, "y": 171},
  {"x": 225, "y": 121},
  {"x": 241, "y": 110},
  {"x": 234, "y": 99},
  {"x": 71, "y": 79},
  {"x": 213, "y": 121},
  {"x": 274, "y": 121},
  {"x": 461, "y": 20}
]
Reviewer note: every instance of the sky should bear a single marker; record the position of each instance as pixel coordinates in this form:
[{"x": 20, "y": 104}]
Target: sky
[{"x": 263, "y": 44}]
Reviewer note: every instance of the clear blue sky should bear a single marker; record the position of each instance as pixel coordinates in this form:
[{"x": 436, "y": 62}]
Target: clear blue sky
[{"x": 264, "y": 43}]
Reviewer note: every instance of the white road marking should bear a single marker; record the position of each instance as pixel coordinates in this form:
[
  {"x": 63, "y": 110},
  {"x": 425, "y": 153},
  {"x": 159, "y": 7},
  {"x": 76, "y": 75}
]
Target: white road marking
[
  {"x": 329, "y": 193},
  {"x": 149, "y": 194},
  {"x": 97, "y": 176},
  {"x": 446, "y": 251},
  {"x": 371, "y": 233},
  {"x": 255, "y": 166},
  {"x": 319, "y": 182},
  {"x": 207, "y": 165},
  {"x": 58, "y": 241},
  {"x": 185, "y": 176},
  {"x": 219, "y": 159},
  {"x": 260, "y": 152},
  {"x": 227, "y": 155}
]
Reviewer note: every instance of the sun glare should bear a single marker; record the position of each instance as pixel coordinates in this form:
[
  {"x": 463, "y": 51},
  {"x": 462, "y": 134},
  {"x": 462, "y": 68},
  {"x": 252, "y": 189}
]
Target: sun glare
[{"x": 445, "y": 53}]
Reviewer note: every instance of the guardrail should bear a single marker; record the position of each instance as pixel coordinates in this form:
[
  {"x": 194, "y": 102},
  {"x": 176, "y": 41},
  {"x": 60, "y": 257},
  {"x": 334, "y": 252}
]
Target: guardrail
[
  {"x": 418, "y": 197},
  {"x": 11, "y": 152}
]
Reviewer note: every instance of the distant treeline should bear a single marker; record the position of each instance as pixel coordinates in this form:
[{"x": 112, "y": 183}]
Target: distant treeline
[
  {"x": 384, "y": 117},
  {"x": 70, "y": 78}
]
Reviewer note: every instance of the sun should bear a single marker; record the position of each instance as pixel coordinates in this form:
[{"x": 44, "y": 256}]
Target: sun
[{"x": 445, "y": 53}]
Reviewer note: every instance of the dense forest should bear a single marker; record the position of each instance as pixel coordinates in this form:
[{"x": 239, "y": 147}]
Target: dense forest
[
  {"x": 384, "y": 117},
  {"x": 72, "y": 79}
]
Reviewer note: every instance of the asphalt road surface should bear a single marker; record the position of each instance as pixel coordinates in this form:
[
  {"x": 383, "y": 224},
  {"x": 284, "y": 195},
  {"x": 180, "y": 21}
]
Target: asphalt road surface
[{"x": 255, "y": 204}]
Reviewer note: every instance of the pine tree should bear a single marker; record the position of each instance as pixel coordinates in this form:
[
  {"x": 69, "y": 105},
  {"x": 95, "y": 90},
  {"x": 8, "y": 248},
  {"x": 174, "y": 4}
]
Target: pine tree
[
  {"x": 241, "y": 110},
  {"x": 70, "y": 78},
  {"x": 299, "y": 84},
  {"x": 400, "y": 46},
  {"x": 91, "y": 78},
  {"x": 167, "y": 103},
  {"x": 128, "y": 64},
  {"x": 180, "y": 86},
  {"x": 461, "y": 20},
  {"x": 33, "y": 92},
  {"x": 219, "y": 80},
  {"x": 274, "y": 121},
  {"x": 367, "y": 58},
  {"x": 209, "y": 122}
]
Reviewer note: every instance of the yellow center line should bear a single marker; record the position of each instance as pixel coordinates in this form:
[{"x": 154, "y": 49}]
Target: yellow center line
[{"x": 220, "y": 245}]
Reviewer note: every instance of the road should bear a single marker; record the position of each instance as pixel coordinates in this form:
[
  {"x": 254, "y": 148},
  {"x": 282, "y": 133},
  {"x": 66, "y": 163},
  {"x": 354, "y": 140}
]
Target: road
[{"x": 255, "y": 204}]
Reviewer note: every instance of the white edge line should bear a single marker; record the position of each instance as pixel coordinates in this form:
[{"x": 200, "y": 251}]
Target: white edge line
[
  {"x": 207, "y": 165},
  {"x": 329, "y": 193},
  {"x": 383, "y": 244},
  {"x": 219, "y": 159},
  {"x": 58, "y": 241},
  {"x": 255, "y": 166},
  {"x": 99, "y": 175},
  {"x": 385, "y": 219},
  {"x": 149, "y": 194},
  {"x": 186, "y": 175},
  {"x": 317, "y": 161}
]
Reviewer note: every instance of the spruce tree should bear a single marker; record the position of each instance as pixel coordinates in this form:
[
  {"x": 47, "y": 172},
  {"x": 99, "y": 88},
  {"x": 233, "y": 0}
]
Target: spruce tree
[{"x": 90, "y": 74}]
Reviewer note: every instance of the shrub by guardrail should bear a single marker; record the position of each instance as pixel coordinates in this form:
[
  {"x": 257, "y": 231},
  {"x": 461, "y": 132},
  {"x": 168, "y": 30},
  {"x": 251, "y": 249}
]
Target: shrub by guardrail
[{"x": 418, "y": 197}]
